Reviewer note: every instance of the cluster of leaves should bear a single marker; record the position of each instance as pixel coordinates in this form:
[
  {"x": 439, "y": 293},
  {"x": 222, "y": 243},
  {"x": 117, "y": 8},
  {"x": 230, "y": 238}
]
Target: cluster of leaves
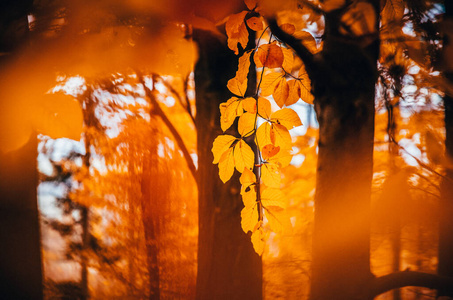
[{"x": 259, "y": 125}]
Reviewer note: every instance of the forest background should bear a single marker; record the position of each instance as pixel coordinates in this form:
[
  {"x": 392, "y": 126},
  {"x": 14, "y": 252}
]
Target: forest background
[{"x": 330, "y": 122}]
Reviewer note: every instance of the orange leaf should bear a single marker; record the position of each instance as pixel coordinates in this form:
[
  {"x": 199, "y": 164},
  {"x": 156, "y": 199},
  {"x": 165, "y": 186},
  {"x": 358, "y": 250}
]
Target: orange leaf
[
  {"x": 255, "y": 23},
  {"x": 281, "y": 92},
  {"x": 288, "y": 28},
  {"x": 236, "y": 31},
  {"x": 270, "y": 56},
  {"x": 268, "y": 151},
  {"x": 236, "y": 87},
  {"x": 251, "y": 4},
  {"x": 264, "y": 108}
]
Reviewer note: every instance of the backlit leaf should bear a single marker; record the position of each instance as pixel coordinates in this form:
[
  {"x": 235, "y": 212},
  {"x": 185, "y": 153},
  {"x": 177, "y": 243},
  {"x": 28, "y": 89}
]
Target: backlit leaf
[
  {"x": 249, "y": 218},
  {"x": 269, "y": 151},
  {"x": 251, "y": 4},
  {"x": 246, "y": 124},
  {"x": 288, "y": 60},
  {"x": 281, "y": 92},
  {"x": 269, "y": 55},
  {"x": 229, "y": 111},
  {"x": 236, "y": 87},
  {"x": 286, "y": 117},
  {"x": 280, "y": 136},
  {"x": 305, "y": 82},
  {"x": 258, "y": 241},
  {"x": 220, "y": 145},
  {"x": 263, "y": 135},
  {"x": 288, "y": 28},
  {"x": 243, "y": 67},
  {"x": 249, "y": 105},
  {"x": 269, "y": 82},
  {"x": 247, "y": 178},
  {"x": 249, "y": 197},
  {"x": 264, "y": 108},
  {"x": 273, "y": 198},
  {"x": 236, "y": 31},
  {"x": 226, "y": 165},
  {"x": 278, "y": 220},
  {"x": 270, "y": 175},
  {"x": 243, "y": 156},
  {"x": 282, "y": 158},
  {"x": 255, "y": 23}
]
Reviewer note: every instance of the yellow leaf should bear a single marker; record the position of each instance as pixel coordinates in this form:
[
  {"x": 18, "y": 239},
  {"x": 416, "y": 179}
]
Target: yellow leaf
[
  {"x": 273, "y": 198},
  {"x": 229, "y": 111},
  {"x": 263, "y": 135},
  {"x": 282, "y": 158},
  {"x": 264, "y": 108},
  {"x": 288, "y": 60},
  {"x": 278, "y": 220},
  {"x": 236, "y": 87},
  {"x": 269, "y": 151},
  {"x": 270, "y": 80},
  {"x": 294, "y": 92},
  {"x": 249, "y": 105},
  {"x": 247, "y": 178},
  {"x": 220, "y": 145},
  {"x": 249, "y": 218},
  {"x": 243, "y": 66},
  {"x": 249, "y": 196},
  {"x": 258, "y": 241},
  {"x": 246, "y": 124},
  {"x": 269, "y": 56},
  {"x": 255, "y": 23},
  {"x": 226, "y": 165},
  {"x": 281, "y": 92},
  {"x": 286, "y": 117},
  {"x": 270, "y": 175},
  {"x": 243, "y": 156},
  {"x": 305, "y": 82},
  {"x": 280, "y": 136}
]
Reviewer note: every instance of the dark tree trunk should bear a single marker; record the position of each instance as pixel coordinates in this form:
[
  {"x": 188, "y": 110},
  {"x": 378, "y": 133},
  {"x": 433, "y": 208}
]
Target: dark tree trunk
[
  {"x": 20, "y": 240},
  {"x": 344, "y": 91},
  {"x": 445, "y": 266},
  {"x": 20, "y": 250},
  {"x": 228, "y": 267}
]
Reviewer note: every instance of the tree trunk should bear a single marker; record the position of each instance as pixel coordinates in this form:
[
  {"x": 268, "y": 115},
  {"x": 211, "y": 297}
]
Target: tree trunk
[
  {"x": 20, "y": 250},
  {"x": 228, "y": 267},
  {"x": 344, "y": 93},
  {"x": 445, "y": 266},
  {"x": 20, "y": 240}
]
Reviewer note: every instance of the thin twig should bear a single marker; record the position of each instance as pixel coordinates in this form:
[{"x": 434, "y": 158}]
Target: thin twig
[{"x": 158, "y": 110}]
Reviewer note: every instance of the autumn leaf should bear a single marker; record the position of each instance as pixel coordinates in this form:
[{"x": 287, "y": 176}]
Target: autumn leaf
[
  {"x": 263, "y": 135},
  {"x": 237, "y": 31},
  {"x": 286, "y": 117},
  {"x": 264, "y": 108},
  {"x": 220, "y": 145},
  {"x": 229, "y": 111},
  {"x": 236, "y": 87},
  {"x": 249, "y": 197},
  {"x": 273, "y": 198},
  {"x": 243, "y": 67},
  {"x": 288, "y": 60},
  {"x": 249, "y": 218},
  {"x": 281, "y": 92},
  {"x": 305, "y": 91},
  {"x": 226, "y": 165},
  {"x": 278, "y": 220},
  {"x": 243, "y": 156},
  {"x": 247, "y": 178},
  {"x": 249, "y": 105},
  {"x": 288, "y": 28},
  {"x": 255, "y": 23},
  {"x": 248, "y": 190},
  {"x": 280, "y": 136},
  {"x": 246, "y": 124},
  {"x": 282, "y": 158},
  {"x": 269, "y": 56},
  {"x": 268, "y": 151},
  {"x": 308, "y": 41},
  {"x": 270, "y": 175},
  {"x": 258, "y": 241},
  {"x": 270, "y": 80}
]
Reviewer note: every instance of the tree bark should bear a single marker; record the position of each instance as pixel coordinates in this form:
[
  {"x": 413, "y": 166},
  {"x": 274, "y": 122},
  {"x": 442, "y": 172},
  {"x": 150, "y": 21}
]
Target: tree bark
[
  {"x": 228, "y": 267},
  {"x": 344, "y": 91},
  {"x": 20, "y": 237}
]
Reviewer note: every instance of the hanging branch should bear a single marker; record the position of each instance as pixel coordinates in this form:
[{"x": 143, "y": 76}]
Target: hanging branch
[
  {"x": 158, "y": 110},
  {"x": 178, "y": 96}
]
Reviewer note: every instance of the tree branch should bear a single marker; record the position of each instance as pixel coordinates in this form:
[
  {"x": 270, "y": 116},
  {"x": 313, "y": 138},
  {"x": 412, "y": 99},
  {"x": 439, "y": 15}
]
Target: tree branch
[
  {"x": 411, "y": 278},
  {"x": 158, "y": 110},
  {"x": 304, "y": 54}
]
